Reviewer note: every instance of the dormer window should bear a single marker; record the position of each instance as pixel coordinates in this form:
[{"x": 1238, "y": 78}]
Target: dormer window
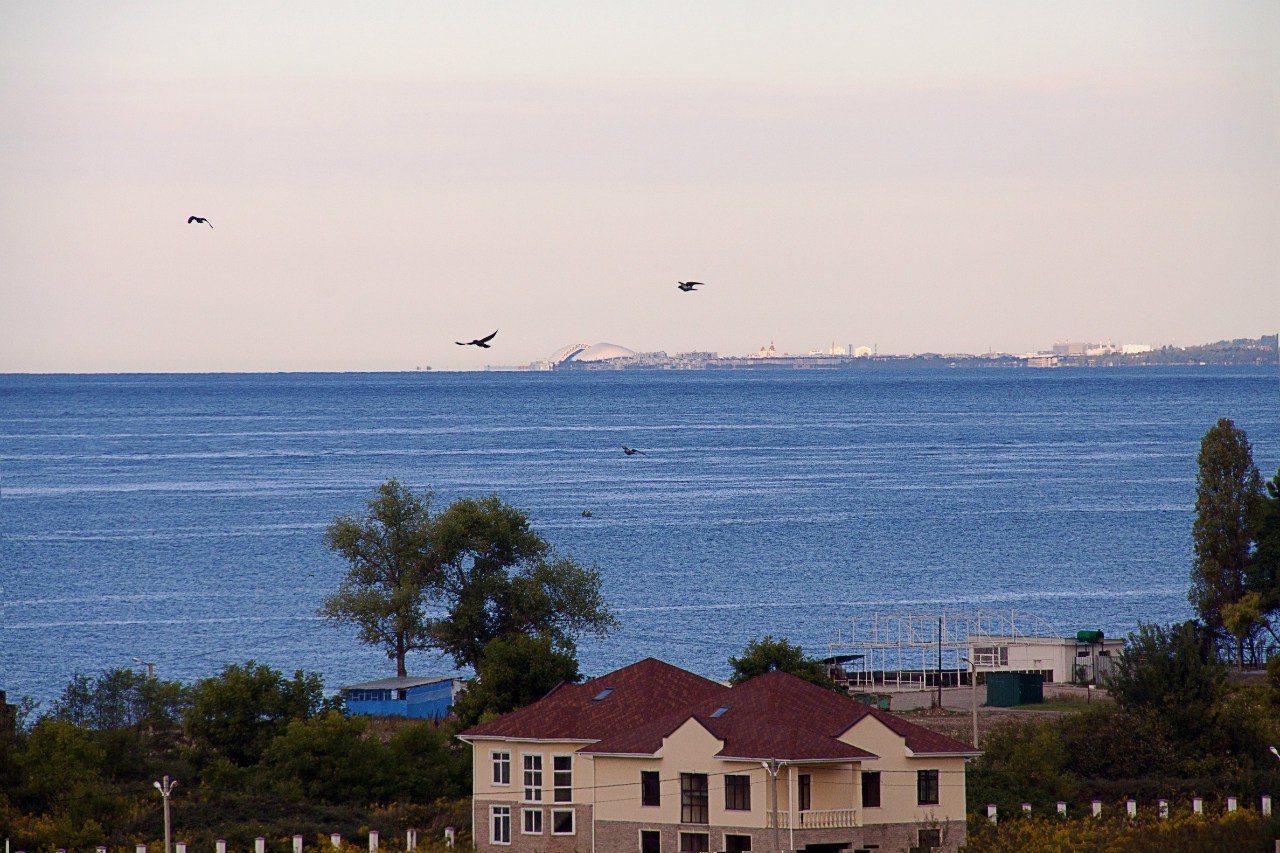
[{"x": 602, "y": 694}]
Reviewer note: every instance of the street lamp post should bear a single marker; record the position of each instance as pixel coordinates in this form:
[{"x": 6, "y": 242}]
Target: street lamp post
[
  {"x": 151, "y": 670},
  {"x": 973, "y": 697},
  {"x": 165, "y": 790}
]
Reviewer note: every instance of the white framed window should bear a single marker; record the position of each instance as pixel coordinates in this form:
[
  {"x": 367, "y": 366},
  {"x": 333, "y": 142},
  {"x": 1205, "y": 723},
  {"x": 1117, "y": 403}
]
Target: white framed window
[
  {"x": 500, "y": 824},
  {"x": 532, "y": 777},
  {"x": 562, "y": 778},
  {"x": 562, "y": 822},
  {"x": 532, "y": 822},
  {"x": 501, "y": 760}
]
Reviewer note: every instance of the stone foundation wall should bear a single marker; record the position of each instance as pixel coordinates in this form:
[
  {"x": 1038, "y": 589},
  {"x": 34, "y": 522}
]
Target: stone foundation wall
[{"x": 579, "y": 842}]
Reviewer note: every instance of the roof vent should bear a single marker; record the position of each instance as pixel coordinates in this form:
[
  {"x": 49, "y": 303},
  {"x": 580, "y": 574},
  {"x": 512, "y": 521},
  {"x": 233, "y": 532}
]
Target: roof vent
[
  {"x": 602, "y": 694},
  {"x": 719, "y": 712}
]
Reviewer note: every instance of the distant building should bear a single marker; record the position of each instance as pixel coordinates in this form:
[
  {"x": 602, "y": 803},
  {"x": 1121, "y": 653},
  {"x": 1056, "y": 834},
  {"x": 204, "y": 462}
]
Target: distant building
[
  {"x": 862, "y": 352},
  {"x": 769, "y": 352},
  {"x": 1070, "y": 348},
  {"x": 420, "y": 698},
  {"x": 1135, "y": 349},
  {"x": 1086, "y": 657}
]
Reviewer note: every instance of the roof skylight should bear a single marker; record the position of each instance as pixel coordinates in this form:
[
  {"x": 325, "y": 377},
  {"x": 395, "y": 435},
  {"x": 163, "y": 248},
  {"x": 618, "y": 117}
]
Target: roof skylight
[
  {"x": 602, "y": 694},
  {"x": 719, "y": 712}
]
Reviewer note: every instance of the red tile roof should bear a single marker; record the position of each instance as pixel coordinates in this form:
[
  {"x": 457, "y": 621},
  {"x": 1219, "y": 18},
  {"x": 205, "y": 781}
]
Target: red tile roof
[{"x": 775, "y": 715}]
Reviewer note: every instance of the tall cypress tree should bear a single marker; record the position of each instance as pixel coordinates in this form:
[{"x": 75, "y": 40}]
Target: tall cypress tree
[{"x": 1228, "y": 501}]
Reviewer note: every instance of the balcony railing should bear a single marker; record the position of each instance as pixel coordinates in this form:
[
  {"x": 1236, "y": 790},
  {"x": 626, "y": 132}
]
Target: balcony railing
[{"x": 815, "y": 819}]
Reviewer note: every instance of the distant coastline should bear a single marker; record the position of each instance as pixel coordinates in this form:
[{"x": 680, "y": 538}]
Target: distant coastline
[{"x": 1259, "y": 351}]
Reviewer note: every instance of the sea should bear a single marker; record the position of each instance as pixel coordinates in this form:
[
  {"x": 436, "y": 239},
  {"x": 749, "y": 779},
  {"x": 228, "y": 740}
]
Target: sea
[{"x": 178, "y": 520}]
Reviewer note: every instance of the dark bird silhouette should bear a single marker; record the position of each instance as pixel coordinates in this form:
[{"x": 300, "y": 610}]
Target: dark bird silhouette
[
  {"x": 631, "y": 451},
  {"x": 478, "y": 342},
  {"x": 687, "y": 286},
  {"x": 201, "y": 219}
]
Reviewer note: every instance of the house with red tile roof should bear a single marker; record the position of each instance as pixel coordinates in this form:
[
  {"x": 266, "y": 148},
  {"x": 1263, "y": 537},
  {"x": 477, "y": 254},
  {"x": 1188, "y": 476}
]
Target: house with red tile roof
[{"x": 654, "y": 759}]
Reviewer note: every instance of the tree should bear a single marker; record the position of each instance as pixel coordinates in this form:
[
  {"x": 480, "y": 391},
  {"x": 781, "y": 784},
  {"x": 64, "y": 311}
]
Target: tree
[
  {"x": 511, "y": 673},
  {"x": 1228, "y": 501},
  {"x": 236, "y": 715},
  {"x": 1171, "y": 671},
  {"x": 500, "y": 579},
  {"x": 1262, "y": 577},
  {"x": 384, "y": 591},
  {"x": 767, "y": 654},
  {"x": 479, "y": 562}
]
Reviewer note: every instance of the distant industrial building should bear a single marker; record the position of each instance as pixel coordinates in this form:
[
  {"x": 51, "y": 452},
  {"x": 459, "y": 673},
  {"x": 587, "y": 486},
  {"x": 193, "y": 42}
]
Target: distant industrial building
[{"x": 419, "y": 698}]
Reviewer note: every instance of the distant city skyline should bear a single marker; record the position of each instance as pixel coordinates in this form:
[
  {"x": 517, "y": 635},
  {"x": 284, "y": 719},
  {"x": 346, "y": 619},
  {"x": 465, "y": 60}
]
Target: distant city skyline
[{"x": 386, "y": 179}]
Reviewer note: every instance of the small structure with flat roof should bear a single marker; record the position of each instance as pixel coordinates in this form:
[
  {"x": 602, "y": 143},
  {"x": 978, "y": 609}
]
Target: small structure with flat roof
[{"x": 419, "y": 697}]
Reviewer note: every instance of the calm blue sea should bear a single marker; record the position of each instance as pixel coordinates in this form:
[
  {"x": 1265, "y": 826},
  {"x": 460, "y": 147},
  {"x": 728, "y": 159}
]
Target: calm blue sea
[{"x": 178, "y": 519}]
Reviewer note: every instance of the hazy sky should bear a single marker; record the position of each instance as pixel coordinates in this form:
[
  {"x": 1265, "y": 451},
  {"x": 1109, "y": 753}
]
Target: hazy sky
[{"x": 385, "y": 178}]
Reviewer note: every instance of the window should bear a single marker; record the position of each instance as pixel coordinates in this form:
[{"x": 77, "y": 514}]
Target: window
[
  {"x": 806, "y": 792},
  {"x": 650, "y": 841},
  {"x": 871, "y": 789},
  {"x": 693, "y": 801},
  {"x": 501, "y": 824},
  {"x": 562, "y": 822},
  {"x": 928, "y": 839},
  {"x": 562, "y": 778},
  {"x": 927, "y": 787},
  {"x": 650, "y": 792},
  {"x": 737, "y": 844},
  {"x": 501, "y": 767},
  {"x": 533, "y": 821},
  {"x": 532, "y": 778},
  {"x": 991, "y": 655},
  {"x": 737, "y": 793},
  {"x": 695, "y": 842}
]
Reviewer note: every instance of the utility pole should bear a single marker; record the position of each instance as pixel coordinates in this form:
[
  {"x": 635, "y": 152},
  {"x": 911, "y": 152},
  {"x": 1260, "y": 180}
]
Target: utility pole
[
  {"x": 939, "y": 667},
  {"x": 772, "y": 766},
  {"x": 165, "y": 790}
]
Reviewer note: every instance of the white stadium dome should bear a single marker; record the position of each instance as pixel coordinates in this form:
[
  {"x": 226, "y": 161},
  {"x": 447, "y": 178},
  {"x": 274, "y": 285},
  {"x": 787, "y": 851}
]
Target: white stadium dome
[{"x": 594, "y": 352}]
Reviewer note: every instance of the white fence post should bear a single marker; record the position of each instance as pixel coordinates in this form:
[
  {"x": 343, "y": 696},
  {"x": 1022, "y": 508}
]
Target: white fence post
[
  {"x": 140, "y": 848},
  {"x": 1131, "y": 806},
  {"x": 220, "y": 846},
  {"x": 1097, "y": 808},
  {"x": 1266, "y": 805},
  {"x": 1026, "y": 808},
  {"x": 411, "y": 839},
  {"x": 259, "y": 845},
  {"x": 1197, "y": 805},
  {"x": 1164, "y": 809},
  {"x": 1062, "y": 808},
  {"x": 991, "y": 813},
  {"x": 373, "y": 841},
  {"x": 336, "y": 840},
  {"x": 1232, "y": 804},
  {"x": 180, "y": 847},
  {"x": 297, "y": 844},
  {"x": 450, "y": 836}
]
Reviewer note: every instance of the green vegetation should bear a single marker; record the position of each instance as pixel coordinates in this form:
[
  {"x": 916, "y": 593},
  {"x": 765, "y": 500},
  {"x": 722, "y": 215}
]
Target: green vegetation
[
  {"x": 767, "y": 654},
  {"x": 255, "y": 753},
  {"x": 478, "y": 561}
]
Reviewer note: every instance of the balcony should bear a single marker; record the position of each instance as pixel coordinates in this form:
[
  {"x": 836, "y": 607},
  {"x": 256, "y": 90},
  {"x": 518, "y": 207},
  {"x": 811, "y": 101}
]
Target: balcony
[{"x": 815, "y": 819}]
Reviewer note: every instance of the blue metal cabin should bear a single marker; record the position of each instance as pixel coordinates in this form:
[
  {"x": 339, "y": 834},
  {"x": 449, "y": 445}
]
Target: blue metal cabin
[{"x": 422, "y": 698}]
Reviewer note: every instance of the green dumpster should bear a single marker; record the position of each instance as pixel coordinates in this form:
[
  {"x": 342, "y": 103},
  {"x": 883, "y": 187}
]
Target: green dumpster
[{"x": 1006, "y": 689}]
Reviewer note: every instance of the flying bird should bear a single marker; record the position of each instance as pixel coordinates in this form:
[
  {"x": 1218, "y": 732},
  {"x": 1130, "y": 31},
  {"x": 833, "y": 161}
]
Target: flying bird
[
  {"x": 687, "y": 286},
  {"x": 478, "y": 342},
  {"x": 631, "y": 451},
  {"x": 201, "y": 219}
]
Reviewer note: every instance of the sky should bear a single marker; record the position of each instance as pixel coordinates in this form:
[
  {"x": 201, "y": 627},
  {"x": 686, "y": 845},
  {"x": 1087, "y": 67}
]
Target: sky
[{"x": 386, "y": 178}]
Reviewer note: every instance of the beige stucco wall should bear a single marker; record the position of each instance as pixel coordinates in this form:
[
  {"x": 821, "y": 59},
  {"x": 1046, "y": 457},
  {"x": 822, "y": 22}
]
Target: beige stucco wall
[
  {"x": 898, "y": 777},
  {"x": 486, "y": 794}
]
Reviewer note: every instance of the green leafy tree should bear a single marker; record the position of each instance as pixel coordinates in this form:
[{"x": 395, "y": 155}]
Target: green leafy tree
[
  {"x": 327, "y": 759},
  {"x": 1172, "y": 672},
  {"x": 429, "y": 764},
  {"x": 767, "y": 654},
  {"x": 1228, "y": 502},
  {"x": 511, "y": 673},
  {"x": 478, "y": 561},
  {"x": 235, "y": 715},
  {"x": 390, "y": 555},
  {"x": 1262, "y": 577},
  {"x": 499, "y": 579}
]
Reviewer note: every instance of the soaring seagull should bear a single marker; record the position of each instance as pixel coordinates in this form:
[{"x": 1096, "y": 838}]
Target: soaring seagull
[
  {"x": 191, "y": 219},
  {"x": 687, "y": 286},
  {"x": 478, "y": 342},
  {"x": 631, "y": 451}
]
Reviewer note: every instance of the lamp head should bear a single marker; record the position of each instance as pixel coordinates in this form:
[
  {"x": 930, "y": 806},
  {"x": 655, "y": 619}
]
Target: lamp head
[
  {"x": 1274, "y": 751},
  {"x": 157, "y": 787}
]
